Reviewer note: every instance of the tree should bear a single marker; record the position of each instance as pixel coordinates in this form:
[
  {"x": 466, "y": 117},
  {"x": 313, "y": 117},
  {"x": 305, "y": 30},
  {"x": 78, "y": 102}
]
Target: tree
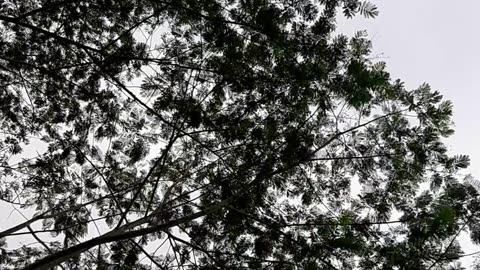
[{"x": 228, "y": 134}]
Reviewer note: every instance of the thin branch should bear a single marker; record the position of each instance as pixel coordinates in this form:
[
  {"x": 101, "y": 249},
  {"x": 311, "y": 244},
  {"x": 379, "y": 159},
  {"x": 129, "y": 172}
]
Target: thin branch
[
  {"x": 338, "y": 134},
  {"x": 173, "y": 138},
  {"x": 275, "y": 228},
  {"x": 206, "y": 252},
  {"x": 308, "y": 224},
  {"x": 42, "y": 243},
  {"x": 174, "y": 248},
  {"x": 156, "y": 13},
  {"x": 49, "y": 34},
  {"x": 146, "y": 254},
  {"x": 117, "y": 235},
  {"x": 45, "y": 8},
  {"x": 354, "y": 157},
  {"x": 155, "y": 113},
  {"x": 45, "y": 215},
  {"x": 439, "y": 258},
  {"x": 162, "y": 159},
  {"x": 64, "y": 228},
  {"x": 110, "y": 190}
]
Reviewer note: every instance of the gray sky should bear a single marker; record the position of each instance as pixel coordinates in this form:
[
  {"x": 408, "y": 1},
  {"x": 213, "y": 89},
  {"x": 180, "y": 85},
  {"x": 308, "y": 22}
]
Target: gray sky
[{"x": 437, "y": 42}]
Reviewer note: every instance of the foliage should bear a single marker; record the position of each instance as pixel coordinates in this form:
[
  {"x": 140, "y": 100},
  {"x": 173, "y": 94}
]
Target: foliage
[{"x": 211, "y": 134}]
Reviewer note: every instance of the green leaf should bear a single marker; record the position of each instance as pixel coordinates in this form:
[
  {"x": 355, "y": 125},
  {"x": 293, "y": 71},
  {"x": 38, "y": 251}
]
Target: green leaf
[{"x": 368, "y": 9}]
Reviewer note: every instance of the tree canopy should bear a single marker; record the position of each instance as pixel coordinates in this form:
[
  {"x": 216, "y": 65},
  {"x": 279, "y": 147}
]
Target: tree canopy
[{"x": 219, "y": 134}]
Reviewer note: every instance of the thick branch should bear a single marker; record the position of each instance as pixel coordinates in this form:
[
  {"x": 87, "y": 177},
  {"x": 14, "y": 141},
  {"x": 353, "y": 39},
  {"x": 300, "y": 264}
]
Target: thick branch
[
  {"x": 45, "y": 214},
  {"x": 115, "y": 235}
]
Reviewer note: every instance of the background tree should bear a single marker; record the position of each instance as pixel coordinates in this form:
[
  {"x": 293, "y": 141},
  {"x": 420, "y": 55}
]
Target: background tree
[{"x": 220, "y": 135}]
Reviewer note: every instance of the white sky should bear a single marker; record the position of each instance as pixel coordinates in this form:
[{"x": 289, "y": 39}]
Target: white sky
[{"x": 438, "y": 42}]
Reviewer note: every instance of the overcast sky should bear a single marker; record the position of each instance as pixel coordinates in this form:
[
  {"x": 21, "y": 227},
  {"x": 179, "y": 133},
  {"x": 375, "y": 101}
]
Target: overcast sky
[{"x": 438, "y": 42}]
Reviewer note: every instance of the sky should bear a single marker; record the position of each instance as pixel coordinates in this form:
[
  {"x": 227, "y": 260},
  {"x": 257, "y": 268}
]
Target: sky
[
  {"x": 438, "y": 42},
  {"x": 433, "y": 41}
]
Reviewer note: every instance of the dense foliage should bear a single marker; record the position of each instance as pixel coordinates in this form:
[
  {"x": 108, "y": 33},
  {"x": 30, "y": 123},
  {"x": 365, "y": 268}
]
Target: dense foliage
[{"x": 219, "y": 134}]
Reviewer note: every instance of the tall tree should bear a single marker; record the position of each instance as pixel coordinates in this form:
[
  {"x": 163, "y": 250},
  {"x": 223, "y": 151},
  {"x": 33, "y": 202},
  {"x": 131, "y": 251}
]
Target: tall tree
[{"x": 210, "y": 134}]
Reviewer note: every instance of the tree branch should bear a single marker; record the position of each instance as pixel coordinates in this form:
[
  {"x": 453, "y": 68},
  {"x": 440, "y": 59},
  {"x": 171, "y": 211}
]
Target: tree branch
[
  {"x": 45, "y": 8},
  {"x": 49, "y": 34},
  {"x": 116, "y": 235},
  {"x": 45, "y": 216}
]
